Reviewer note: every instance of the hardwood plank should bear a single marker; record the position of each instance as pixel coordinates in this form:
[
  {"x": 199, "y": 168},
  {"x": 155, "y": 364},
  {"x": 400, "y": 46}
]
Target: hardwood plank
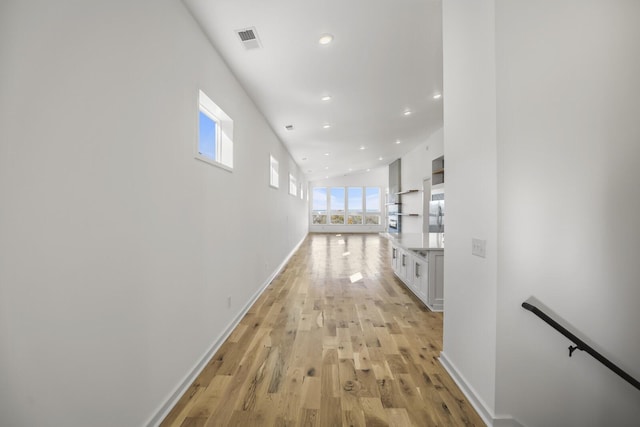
[
  {"x": 209, "y": 399},
  {"x": 183, "y": 408},
  {"x": 374, "y": 413},
  {"x": 398, "y": 417},
  {"x": 330, "y": 413},
  {"x": 318, "y": 350}
]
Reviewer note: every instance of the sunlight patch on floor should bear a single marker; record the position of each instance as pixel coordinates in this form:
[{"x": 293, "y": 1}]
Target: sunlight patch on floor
[{"x": 355, "y": 277}]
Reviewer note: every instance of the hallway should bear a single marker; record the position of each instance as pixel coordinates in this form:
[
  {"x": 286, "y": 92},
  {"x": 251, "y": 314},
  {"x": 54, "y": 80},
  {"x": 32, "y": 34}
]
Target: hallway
[{"x": 317, "y": 349}]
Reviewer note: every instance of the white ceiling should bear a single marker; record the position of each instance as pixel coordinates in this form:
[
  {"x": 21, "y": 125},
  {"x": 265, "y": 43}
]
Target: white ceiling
[{"x": 386, "y": 57}]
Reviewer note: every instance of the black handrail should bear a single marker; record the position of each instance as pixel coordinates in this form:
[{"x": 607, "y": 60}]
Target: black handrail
[{"x": 581, "y": 345}]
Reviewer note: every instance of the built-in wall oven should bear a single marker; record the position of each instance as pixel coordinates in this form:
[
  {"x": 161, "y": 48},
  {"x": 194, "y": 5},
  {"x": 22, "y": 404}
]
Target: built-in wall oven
[
  {"x": 393, "y": 222},
  {"x": 393, "y": 202}
]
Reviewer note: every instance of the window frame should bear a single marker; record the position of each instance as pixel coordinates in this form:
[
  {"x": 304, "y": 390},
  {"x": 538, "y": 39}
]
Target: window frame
[
  {"x": 379, "y": 209},
  {"x": 224, "y": 146},
  {"x": 293, "y": 185},
  {"x": 378, "y": 213},
  {"x": 274, "y": 178},
  {"x": 344, "y": 206},
  {"x": 360, "y": 209},
  {"x": 319, "y": 212}
]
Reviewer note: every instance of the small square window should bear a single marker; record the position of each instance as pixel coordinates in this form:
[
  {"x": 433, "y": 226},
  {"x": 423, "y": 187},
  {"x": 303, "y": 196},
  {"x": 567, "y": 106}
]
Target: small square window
[
  {"x": 274, "y": 178},
  {"x": 208, "y": 135},
  {"x": 215, "y": 134},
  {"x": 293, "y": 186}
]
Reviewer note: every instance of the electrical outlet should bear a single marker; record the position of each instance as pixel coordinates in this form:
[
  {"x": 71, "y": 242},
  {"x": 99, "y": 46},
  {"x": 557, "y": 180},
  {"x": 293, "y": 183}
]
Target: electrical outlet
[
  {"x": 228, "y": 302},
  {"x": 479, "y": 248}
]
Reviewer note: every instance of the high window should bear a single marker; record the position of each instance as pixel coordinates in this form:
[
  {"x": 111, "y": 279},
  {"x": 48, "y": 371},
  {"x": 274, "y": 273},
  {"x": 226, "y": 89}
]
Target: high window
[
  {"x": 215, "y": 134},
  {"x": 293, "y": 186},
  {"x": 273, "y": 172}
]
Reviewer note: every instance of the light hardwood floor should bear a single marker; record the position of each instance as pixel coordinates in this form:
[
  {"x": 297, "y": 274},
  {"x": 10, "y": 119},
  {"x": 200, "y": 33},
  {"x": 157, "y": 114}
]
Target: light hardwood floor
[{"x": 319, "y": 350}]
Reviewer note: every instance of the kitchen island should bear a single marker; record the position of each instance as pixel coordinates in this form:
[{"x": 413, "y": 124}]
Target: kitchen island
[{"x": 417, "y": 260}]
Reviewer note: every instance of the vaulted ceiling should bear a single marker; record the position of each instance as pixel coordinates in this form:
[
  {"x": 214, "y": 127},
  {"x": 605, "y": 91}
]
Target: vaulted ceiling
[{"x": 382, "y": 70}]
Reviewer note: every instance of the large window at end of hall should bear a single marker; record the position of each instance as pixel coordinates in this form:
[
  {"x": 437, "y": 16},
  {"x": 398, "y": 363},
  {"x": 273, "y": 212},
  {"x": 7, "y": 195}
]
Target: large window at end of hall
[
  {"x": 337, "y": 205},
  {"x": 356, "y": 205},
  {"x": 346, "y": 205},
  {"x": 373, "y": 204},
  {"x": 214, "y": 144},
  {"x": 319, "y": 205}
]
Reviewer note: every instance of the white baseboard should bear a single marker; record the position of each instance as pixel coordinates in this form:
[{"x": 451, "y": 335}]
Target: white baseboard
[
  {"x": 164, "y": 410},
  {"x": 472, "y": 396}
]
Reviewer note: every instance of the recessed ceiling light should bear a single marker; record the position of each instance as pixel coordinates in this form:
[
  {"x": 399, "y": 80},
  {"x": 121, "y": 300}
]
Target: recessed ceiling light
[
  {"x": 397, "y": 141},
  {"x": 379, "y": 158},
  {"x": 326, "y": 168},
  {"x": 362, "y": 147},
  {"x": 368, "y": 170},
  {"x": 325, "y": 39},
  {"x": 326, "y": 125},
  {"x": 350, "y": 169},
  {"x": 326, "y": 176},
  {"x": 326, "y": 98},
  {"x": 407, "y": 113},
  {"x": 326, "y": 154},
  {"x": 437, "y": 96}
]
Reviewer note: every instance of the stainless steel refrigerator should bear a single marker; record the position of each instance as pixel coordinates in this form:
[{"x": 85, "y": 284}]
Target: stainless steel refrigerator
[{"x": 436, "y": 213}]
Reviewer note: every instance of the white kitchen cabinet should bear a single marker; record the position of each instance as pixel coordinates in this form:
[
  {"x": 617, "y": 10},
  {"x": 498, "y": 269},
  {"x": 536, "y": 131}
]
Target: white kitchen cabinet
[
  {"x": 435, "y": 295},
  {"x": 420, "y": 277},
  {"x": 394, "y": 259},
  {"x": 422, "y": 271},
  {"x": 401, "y": 263},
  {"x": 404, "y": 263}
]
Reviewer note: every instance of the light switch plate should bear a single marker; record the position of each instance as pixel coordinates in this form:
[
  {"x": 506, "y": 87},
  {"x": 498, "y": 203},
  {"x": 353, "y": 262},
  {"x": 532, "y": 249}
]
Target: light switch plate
[{"x": 479, "y": 247}]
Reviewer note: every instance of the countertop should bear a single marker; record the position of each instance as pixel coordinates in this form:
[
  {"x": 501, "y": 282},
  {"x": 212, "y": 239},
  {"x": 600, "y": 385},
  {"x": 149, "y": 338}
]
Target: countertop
[{"x": 424, "y": 241}]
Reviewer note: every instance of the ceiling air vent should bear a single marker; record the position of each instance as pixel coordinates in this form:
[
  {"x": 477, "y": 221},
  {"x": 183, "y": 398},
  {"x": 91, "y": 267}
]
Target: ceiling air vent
[
  {"x": 249, "y": 38},
  {"x": 289, "y": 127}
]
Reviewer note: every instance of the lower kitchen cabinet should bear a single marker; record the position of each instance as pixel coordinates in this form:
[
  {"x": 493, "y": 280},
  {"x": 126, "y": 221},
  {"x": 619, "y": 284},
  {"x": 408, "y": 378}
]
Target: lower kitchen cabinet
[
  {"x": 400, "y": 263},
  {"x": 420, "y": 277},
  {"x": 436, "y": 276},
  {"x": 422, "y": 271},
  {"x": 394, "y": 258}
]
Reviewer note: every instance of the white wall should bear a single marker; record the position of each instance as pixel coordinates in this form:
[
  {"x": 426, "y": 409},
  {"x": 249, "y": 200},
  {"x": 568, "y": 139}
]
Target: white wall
[
  {"x": 569, "y": 207},
  {"x": 378, "y": 177},
  {"x": 415, "y": 167},
  {"x": 546, "y": 94},
  {"x": 118, "y": 249},
  {"x": 471, "y": 192}
]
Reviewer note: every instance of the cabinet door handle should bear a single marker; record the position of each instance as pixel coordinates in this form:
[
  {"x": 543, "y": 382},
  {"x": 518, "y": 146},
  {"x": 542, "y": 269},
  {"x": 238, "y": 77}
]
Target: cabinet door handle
[
  {"x": 394, "y": 253},
  {"x": 417, "y": 270},
  {"x": 403, "y": 257}
]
